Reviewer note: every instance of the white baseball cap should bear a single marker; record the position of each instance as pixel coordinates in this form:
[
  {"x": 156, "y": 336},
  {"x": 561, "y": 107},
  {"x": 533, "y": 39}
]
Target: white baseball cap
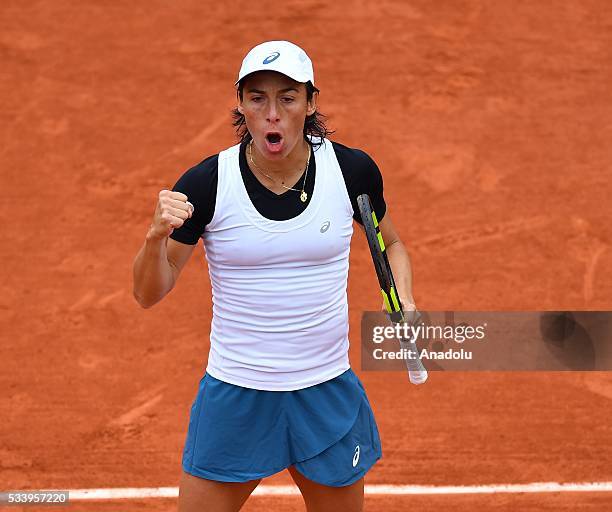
[{"x": 281, "y": 56}]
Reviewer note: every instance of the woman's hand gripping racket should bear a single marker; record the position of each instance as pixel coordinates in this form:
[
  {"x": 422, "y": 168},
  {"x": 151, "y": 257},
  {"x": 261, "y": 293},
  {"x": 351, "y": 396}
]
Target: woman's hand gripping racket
[{"x": 416, "y": 371}]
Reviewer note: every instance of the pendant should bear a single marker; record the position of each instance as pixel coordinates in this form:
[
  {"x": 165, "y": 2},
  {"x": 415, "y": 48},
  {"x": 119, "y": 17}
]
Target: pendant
[{"x": 303, "y": 196}]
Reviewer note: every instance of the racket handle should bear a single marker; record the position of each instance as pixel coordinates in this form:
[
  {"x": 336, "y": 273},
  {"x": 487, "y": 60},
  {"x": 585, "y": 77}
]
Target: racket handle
[
  {"x": 418, "y": 377},
  {"x": 416, "y": 371}
]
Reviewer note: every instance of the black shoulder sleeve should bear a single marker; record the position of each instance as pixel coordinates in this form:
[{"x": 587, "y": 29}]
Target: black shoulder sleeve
[
  {"x": 199, "y": 184},
  {"x": 361, "y": 176}
]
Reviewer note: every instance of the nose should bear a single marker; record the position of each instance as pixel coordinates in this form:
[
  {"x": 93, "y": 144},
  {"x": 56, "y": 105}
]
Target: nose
[{"x": 272, "y": 112}]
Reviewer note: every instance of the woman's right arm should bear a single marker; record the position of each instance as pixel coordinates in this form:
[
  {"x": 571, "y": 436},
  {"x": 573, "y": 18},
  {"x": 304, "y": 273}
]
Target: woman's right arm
[{"x": 161, "y": 259}]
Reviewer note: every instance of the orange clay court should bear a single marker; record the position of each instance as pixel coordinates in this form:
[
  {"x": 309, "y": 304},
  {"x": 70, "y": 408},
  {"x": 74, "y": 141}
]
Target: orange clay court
[{"x": 491, "y": 123}]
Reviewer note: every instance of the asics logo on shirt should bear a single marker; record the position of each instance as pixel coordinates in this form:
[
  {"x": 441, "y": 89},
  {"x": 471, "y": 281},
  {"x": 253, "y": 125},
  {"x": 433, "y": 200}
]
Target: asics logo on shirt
[
  {"x": 325, "y": 226},
  {"x": 356, "y": 456}
]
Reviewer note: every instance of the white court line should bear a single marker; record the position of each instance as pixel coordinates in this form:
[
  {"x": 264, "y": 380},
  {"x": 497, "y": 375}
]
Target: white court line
[{"x": 292, "y": 490}]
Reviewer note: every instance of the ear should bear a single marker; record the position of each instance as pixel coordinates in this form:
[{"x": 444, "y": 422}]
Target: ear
[{"x": 311, "y": 107}]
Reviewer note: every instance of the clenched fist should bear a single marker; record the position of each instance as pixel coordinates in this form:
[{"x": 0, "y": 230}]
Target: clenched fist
[{"x": 171, "y": 212}]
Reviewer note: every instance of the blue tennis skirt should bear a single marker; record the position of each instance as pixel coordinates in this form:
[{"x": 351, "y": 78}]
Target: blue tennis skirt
[{"x": 327, "y": 431}]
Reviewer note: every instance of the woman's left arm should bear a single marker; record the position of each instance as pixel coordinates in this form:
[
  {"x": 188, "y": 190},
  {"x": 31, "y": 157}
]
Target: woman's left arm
[{"x": 399, "y": 261}]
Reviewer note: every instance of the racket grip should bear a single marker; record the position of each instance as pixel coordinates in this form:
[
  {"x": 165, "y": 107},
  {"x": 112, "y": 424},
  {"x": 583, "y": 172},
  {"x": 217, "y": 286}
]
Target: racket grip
[
  {"x": 416, "y": 371},
  {"x": 418, "y": 377}
]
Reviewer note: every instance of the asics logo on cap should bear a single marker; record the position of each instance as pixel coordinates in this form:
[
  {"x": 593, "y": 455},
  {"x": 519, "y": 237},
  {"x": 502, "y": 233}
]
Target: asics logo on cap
[
  {"x": 356, "y": 456},
  {"x": 271, "y": 58}
]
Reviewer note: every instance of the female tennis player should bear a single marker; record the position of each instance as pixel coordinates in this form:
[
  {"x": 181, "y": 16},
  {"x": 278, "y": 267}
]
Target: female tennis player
[{"x": 275, "y": 213}]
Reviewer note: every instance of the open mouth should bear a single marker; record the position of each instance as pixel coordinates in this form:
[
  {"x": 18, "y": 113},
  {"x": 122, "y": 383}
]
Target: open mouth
[{"x": 273, "y": 137}]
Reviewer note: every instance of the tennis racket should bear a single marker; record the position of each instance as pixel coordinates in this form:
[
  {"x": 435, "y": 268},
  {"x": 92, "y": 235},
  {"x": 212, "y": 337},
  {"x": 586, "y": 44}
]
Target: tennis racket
[{"x": 416, "y": 371}]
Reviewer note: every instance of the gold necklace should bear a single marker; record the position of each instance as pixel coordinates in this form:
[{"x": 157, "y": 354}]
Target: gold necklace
[{"x": 303, "y": 194}]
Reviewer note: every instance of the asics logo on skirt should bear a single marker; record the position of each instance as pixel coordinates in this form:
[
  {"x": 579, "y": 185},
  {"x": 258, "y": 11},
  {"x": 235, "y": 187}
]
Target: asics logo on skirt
[{"x": 356, "y": 456}]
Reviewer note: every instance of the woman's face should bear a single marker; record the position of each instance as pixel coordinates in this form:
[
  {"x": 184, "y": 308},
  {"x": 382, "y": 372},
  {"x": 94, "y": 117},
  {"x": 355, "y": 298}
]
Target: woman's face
[{"x": 274, "y": 108}]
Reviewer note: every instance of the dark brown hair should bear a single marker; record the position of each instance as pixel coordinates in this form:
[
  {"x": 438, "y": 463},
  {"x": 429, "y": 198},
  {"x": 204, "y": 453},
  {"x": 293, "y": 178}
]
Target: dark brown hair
[{"x": 314, "y": 125}]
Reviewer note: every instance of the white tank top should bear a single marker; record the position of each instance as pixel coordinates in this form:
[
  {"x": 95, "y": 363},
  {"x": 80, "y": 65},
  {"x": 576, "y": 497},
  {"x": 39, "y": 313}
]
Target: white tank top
[{"x": 280, "y": 313}]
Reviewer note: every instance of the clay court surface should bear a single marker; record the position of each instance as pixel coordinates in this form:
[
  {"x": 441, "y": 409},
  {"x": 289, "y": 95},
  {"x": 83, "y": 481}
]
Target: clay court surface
[{"x": 491, "y": 123}]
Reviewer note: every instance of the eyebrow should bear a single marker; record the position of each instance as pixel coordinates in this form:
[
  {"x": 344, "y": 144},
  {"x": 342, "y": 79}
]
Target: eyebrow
[{"x": 259, "y": 91}]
